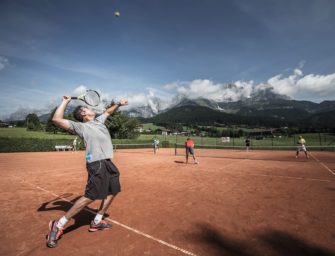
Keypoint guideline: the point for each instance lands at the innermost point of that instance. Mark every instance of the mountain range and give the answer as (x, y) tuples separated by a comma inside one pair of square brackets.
[(262, 108)]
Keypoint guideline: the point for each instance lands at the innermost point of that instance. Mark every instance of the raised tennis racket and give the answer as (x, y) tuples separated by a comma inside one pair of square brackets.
[(90, 97)]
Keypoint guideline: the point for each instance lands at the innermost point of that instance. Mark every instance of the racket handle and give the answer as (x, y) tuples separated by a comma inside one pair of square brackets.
[(74, 98)]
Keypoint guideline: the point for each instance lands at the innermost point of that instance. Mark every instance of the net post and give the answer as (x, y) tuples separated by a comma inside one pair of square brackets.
[(175, 149)]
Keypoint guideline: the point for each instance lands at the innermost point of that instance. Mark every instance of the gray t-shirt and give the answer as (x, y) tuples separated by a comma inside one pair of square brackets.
[(96, 137)]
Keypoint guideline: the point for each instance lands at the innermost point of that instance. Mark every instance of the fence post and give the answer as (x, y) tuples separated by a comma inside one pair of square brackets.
[(294, 140), (233, 136)]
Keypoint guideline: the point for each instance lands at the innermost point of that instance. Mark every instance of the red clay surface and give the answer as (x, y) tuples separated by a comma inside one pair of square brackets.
[(255, 203)]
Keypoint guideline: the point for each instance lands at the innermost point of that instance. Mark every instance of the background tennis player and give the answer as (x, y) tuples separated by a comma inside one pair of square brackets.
[(189, 146), (301, 147)]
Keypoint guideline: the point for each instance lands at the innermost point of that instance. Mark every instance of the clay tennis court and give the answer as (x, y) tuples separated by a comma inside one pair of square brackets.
[(232, 203)]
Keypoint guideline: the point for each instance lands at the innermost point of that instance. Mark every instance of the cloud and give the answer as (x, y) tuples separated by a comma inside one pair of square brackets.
[(295, 85), (3, 62), (211, 90), (153, 98), (307, 87), (301, 64), (319, 84), (81, 89), (22, 112)]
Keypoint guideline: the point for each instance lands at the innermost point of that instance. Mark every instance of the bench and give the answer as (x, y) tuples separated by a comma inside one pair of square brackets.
[(63, 147)]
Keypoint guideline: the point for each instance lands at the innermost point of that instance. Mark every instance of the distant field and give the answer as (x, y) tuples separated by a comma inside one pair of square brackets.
[(23, 133), (151, 126)]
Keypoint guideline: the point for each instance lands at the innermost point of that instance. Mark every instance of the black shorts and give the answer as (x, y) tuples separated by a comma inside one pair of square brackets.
[(103, 179), (189, 150)]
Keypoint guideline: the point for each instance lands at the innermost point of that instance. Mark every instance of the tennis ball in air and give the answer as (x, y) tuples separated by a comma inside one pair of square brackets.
[(117, 14)]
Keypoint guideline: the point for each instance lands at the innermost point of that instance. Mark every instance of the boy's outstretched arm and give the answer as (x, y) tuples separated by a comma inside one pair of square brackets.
[(58, 118), (109, 111)]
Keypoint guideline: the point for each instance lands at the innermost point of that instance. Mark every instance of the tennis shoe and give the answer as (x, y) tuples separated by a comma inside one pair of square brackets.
[(54, 234), (102, 225)]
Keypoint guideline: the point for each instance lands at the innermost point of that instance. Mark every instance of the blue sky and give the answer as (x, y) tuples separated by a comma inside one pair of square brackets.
[(164, 49)]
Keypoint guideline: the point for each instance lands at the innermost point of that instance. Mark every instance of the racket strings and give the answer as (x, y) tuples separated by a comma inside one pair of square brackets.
[(92, 98)]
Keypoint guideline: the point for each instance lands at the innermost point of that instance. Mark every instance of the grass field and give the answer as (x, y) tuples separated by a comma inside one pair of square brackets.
[(23, 133), (151, 126)]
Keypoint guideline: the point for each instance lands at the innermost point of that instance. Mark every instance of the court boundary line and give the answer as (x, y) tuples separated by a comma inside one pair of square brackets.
[(321, 163), (277, 176), (113, 221)]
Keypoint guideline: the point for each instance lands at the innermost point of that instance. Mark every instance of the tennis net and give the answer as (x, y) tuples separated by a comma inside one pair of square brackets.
[(255, 152), (135, 147)]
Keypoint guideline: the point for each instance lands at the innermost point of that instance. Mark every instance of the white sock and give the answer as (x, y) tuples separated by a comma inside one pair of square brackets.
[(98, 218), (62, 222)]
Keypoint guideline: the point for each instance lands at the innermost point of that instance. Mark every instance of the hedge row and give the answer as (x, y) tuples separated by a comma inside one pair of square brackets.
[(43, 145)]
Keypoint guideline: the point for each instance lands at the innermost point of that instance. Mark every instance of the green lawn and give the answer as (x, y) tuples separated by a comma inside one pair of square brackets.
[(23, 133), (151, 126)]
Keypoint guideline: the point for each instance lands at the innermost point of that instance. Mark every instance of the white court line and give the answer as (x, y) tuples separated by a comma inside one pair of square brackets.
[(113, 221), (277, 176), (325, 166), (289, 177)]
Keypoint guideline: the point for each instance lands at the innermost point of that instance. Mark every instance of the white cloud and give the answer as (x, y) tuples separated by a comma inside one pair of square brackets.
[(322, 85), (152, 98), (81, 89), (3, 62), (211, 90), (171, 86), (301, 64), (308, 87), (296, 85)]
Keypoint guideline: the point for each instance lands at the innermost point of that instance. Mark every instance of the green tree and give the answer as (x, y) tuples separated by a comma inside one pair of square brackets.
[(121, 126), (240, 133), (33, 123)]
